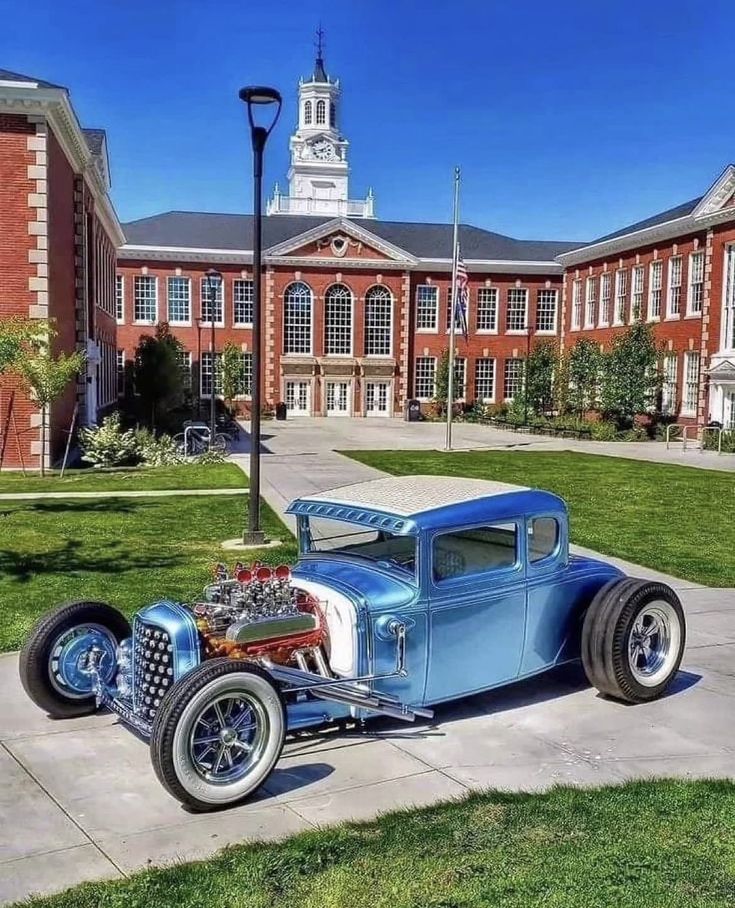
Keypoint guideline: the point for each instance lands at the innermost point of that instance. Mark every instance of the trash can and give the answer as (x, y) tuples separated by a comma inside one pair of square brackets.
[(281, 410), (413, 411)]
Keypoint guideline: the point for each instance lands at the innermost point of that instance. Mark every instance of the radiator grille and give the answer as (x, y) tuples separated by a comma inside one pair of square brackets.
[(153, 667)]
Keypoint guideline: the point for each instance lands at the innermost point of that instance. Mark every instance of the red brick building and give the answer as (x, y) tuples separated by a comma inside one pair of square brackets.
[(58, 241)]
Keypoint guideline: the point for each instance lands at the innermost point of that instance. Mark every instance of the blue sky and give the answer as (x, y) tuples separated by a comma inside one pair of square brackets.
[(568, 119)]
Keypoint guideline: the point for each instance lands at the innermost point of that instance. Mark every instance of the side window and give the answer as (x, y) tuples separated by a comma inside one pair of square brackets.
[(475, 551), (543, 537)]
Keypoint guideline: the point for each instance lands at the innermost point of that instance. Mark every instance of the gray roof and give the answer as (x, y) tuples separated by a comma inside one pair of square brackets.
[(7, 76), (95, 139), (671, 214), (320, 74), (200, 230)]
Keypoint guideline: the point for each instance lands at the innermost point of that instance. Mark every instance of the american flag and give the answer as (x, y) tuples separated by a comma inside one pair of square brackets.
[(460, 303)]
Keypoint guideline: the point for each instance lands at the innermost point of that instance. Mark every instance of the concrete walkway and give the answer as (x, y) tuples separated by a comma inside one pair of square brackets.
[(152, 493), (80, 800)]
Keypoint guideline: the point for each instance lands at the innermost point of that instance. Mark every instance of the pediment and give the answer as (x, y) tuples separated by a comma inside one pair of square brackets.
[(343, 240), (719, 197), (724, 371)]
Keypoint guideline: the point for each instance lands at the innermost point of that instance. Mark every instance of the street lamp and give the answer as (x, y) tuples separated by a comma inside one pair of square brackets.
[(257, 96), (213, 280)]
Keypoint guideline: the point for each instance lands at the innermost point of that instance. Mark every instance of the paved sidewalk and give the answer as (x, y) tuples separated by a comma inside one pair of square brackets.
[(152, 493)]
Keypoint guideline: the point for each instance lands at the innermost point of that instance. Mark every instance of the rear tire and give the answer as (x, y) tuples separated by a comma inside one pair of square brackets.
[(52, 660), (218, 734), (633, 639)]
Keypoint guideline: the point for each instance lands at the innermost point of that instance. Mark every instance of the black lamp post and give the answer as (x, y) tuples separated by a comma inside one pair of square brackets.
[(257, 96), (214, 282)]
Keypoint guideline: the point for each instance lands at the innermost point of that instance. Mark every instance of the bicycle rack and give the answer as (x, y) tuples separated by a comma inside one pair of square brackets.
[(206, 436), (684, 434), (699, 436), (717, 429)]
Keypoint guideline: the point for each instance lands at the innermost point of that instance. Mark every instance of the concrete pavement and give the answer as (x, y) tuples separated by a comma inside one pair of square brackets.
[(80, 799)]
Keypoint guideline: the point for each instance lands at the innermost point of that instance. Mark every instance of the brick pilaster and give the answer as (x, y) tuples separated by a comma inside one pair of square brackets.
[(702, 402)]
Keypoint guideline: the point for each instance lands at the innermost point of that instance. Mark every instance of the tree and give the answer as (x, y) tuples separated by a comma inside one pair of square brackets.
[(47, 377), (158, 377), (631, 377), (585, 362), (231, 373), (441, 382), (15, 333), (539, 377)]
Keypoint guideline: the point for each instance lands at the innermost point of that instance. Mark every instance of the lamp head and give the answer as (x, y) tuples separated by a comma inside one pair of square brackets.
[(261, 96)]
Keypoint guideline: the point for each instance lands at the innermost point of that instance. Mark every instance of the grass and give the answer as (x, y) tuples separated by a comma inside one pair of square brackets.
[(127, 552), (679, 520), (186, 476), (642, 845)]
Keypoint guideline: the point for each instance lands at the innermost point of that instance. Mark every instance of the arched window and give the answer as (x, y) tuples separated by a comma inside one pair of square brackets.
[(332, 114), (307, 113), (378, 321), (338, 321), (321, 113), (297, 301)]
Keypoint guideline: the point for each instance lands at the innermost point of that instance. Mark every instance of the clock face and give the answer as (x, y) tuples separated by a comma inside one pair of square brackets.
[(323, 151)]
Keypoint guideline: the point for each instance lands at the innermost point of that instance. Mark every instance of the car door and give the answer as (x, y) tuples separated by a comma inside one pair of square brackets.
[(477, 607)]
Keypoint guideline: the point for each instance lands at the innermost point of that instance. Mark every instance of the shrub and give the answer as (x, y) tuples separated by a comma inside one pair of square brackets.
[(108, 445), (207, 457), (157, 452), (603, 431)]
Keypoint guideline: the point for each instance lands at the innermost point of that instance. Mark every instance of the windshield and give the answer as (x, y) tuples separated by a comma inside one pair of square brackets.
[(336, 537)]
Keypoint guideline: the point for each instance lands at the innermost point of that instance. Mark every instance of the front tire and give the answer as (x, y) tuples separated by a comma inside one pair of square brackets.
[(218, 734), (633, 639), (52, 662)]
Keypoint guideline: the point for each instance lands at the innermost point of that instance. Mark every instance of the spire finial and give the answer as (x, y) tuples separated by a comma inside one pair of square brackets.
[(320, 74), (320, 42)]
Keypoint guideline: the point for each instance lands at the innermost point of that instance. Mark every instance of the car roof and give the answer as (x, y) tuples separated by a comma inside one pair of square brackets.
[(411, 503)]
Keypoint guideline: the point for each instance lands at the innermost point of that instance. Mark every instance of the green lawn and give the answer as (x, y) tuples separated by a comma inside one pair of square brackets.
[(124, 551), (678, 520), (642, 845), (186, 476)]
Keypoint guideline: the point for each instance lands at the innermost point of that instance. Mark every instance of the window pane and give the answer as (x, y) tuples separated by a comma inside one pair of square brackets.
[(424, 386), (546, 311), (145, 299), (338, 321), (427, 304), (119, 297), (242, 302), (487, 309), (297, 319), (378, 321), (543, 536), (485, 379), (474, 551), (517, 318), (206, 298), (179, 299)]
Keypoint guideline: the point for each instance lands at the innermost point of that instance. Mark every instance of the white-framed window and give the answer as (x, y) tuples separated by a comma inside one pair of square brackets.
[(242, 302), (332, 114), (590, 308), (427, 307), (184, 358), (691, 383), (485, 379), (655, 290), (119, 298), (244, 375), (546, 303), (517, 314), (338, 321), (621, 296), (178, 293), (297, 308), (206, 302), (696, 283), (321, 112), (424, 386), (605, 299), (120, 365), (307, 113), (512, 378), (577, 304), (728, 314), (205, 374), (673, 300), (668, 388), (460, 377), (487, 310), (636, 289), (378, 321), (145, 298)]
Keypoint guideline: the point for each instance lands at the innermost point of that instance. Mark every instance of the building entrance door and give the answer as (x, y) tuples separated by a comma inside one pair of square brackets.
[(338, 398), (728, 421), (377, 398), (298, 398)]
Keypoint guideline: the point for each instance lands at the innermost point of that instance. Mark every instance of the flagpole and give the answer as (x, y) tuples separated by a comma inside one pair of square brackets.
[(452, 313)]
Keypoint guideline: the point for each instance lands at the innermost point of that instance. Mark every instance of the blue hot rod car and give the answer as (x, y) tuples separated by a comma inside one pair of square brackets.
[(407, 592)]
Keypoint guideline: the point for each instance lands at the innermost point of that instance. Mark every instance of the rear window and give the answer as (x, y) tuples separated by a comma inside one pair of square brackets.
[(543, 537), (475, 551)]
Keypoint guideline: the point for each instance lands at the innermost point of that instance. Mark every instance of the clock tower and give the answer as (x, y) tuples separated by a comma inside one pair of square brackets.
[(319, 173)]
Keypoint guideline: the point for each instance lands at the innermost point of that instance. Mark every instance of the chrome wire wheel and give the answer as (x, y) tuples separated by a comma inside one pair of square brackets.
[(654, 643), (228, 738)]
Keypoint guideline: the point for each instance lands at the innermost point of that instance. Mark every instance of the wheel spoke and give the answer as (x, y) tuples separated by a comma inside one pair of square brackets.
[(220, 755), (238, 723), (208, 739), (242, 745), (220, 715)]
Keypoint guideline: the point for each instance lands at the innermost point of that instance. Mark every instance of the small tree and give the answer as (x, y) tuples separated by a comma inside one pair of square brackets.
[(585, 362), (441, 382), (158, 377), (631, 377), (47, 377), (539, 377), (231, 373)]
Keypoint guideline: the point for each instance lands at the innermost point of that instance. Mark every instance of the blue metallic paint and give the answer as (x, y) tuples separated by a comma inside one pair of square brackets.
[(179, 624)]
